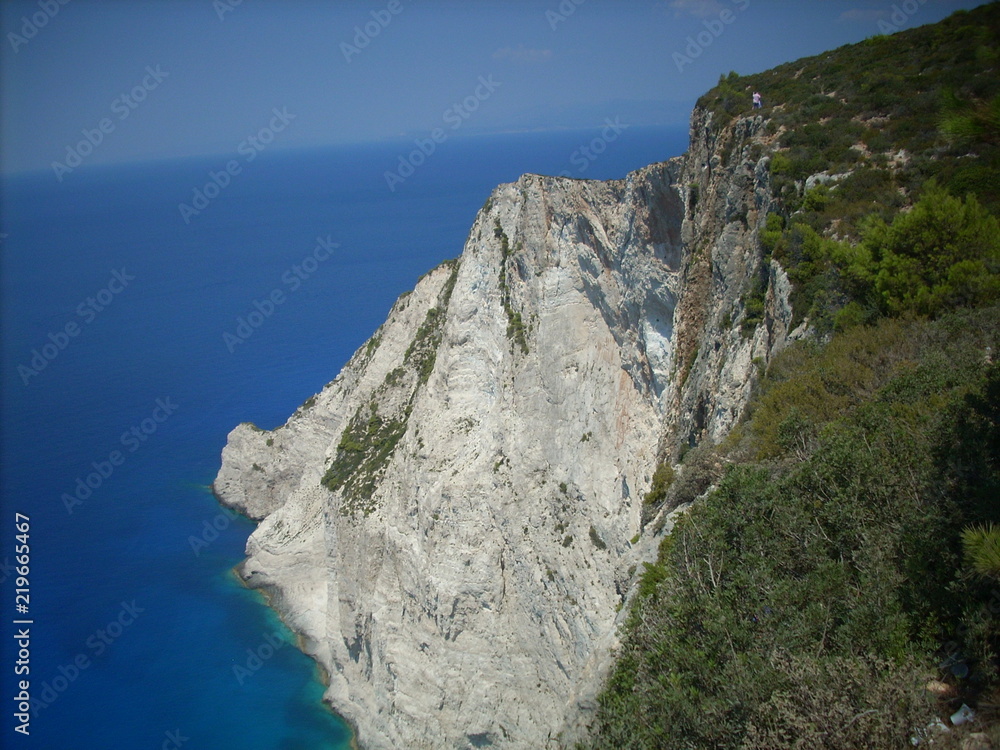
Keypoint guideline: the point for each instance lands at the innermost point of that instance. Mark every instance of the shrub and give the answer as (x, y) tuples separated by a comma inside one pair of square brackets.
[(943, 254), (982, 549), (841, 704), (663, 477), (596, 539)]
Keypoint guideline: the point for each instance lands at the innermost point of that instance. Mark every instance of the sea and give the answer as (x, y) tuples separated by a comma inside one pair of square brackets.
[(135, 334)]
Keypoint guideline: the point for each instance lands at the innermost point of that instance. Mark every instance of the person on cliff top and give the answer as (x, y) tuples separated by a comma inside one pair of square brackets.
[(756, 100)]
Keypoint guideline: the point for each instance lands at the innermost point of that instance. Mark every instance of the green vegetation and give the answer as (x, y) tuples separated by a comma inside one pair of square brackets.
[(596, 539), (700, 469), (982, 549), (753, 301), (931, 90), (663, 477), (373, 343), (365, 448), (943, 253), (829, 560), (516, 330), (370, 438), (850, 550)]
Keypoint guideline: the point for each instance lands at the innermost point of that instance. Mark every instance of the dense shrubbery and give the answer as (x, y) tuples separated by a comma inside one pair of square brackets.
[(811, 596), (943, 253)]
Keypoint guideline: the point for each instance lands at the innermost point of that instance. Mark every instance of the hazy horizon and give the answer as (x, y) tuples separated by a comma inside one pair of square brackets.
[(103, 82)]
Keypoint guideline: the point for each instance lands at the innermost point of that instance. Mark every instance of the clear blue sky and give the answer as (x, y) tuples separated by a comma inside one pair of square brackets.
[(228, 64)]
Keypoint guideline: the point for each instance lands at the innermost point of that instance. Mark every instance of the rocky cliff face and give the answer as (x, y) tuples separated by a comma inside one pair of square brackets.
[(452, 524)]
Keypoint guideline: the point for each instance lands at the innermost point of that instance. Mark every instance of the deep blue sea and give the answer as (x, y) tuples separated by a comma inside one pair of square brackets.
[(120, 385)]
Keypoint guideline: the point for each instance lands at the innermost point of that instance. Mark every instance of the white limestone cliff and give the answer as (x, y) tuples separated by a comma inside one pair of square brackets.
[(461, 572)]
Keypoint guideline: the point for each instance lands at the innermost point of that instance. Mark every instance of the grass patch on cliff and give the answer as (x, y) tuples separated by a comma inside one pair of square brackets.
[(365, 448), (369, 440), (516, 330)]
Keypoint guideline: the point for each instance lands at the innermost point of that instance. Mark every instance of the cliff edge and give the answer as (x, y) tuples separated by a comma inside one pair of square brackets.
[(454, 523)]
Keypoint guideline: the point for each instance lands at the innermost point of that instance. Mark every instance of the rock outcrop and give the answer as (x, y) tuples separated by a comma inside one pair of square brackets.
[(453, 524)]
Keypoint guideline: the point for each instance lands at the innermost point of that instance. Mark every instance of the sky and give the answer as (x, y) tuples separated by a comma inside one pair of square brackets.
[(115, 81)]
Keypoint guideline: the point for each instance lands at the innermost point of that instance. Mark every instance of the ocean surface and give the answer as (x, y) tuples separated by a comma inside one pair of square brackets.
[(125, 365)]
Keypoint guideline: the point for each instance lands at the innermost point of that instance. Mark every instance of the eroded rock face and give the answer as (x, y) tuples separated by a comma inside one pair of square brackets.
[(447, 524)]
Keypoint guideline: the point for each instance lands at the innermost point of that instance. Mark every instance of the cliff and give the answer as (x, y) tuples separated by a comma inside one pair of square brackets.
[(454, 523)]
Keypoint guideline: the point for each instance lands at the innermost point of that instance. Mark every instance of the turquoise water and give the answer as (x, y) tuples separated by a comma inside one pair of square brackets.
[(117, 372)]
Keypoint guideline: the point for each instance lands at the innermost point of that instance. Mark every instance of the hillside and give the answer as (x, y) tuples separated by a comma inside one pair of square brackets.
[(836, 586), (857, 135)]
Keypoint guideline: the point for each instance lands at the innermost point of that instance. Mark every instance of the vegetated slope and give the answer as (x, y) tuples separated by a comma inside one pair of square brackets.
[(808, 600), (860, 131)]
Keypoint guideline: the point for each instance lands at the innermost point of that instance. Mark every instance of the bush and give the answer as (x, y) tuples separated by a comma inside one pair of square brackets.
[(663, 477), (943, 254), (702, 467), (596, 539), (842, 703)]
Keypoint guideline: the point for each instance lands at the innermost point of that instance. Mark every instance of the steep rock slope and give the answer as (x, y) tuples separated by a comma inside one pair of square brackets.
[(447, 524)]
